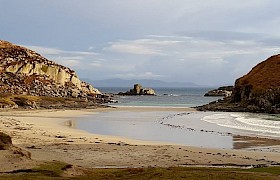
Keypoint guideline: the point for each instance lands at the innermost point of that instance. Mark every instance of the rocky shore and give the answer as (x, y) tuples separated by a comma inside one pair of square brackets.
[(29, 80), (257, 92)]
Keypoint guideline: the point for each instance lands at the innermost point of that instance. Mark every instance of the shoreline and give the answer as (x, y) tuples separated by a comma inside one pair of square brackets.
[(46, 135)]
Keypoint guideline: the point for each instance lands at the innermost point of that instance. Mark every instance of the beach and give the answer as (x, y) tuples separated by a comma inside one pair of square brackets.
[(48, 136)]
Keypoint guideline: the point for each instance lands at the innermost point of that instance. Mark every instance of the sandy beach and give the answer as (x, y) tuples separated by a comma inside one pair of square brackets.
[(48, 136)]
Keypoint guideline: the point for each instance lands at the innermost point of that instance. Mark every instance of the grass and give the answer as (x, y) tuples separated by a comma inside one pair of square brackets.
[(270, 170), (50, 170), (54, 170), (263, 76)]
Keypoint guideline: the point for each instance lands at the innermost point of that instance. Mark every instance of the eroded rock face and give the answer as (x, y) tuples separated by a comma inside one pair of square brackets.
[(23, 71)]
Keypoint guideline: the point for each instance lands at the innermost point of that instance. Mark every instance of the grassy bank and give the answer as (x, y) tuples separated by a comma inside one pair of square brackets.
[(57, 170)]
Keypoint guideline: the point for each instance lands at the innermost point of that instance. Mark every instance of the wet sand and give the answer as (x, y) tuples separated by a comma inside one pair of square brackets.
[(46, 134)]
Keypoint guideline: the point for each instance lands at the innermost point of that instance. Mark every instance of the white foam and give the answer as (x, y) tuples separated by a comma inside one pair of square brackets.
[(243, 121)]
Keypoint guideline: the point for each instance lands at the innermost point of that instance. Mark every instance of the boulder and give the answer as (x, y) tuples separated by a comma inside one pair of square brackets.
[(147, 91)]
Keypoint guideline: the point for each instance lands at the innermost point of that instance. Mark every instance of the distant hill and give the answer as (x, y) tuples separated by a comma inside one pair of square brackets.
[(144, 82)]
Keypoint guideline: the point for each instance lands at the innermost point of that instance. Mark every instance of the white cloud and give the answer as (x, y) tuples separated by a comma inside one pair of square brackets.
[(141, 46), (145, 75), (72, 59), (57, 51)]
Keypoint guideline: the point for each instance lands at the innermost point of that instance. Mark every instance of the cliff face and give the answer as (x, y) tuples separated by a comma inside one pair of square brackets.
[(260, 88), (257, 91), (23, 71)]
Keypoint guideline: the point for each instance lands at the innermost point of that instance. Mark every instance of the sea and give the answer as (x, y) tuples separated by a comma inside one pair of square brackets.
[(165, 97), (195, 128)]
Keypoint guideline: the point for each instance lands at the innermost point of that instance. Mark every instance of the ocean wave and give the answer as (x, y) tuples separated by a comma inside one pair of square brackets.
[(242, 121)]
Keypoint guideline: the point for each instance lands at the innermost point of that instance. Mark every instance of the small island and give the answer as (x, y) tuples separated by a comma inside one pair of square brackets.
[(138, 90)]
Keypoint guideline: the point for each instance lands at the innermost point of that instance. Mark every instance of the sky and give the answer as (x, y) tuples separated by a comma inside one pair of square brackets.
[(211, 42)]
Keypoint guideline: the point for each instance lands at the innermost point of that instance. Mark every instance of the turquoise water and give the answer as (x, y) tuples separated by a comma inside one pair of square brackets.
[(166, 97)]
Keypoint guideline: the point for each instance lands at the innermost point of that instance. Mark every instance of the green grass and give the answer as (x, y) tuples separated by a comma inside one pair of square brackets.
[(54, 170), (50, 170), (270, 170)]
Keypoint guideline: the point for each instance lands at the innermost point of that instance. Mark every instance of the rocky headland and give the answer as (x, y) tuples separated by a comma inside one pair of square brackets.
[(29, 80), (138, 90), (258, 91)]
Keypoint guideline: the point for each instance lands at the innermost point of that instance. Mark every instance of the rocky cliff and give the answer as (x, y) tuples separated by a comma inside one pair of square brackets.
[(257, 91), (260, 88), (25, 72)]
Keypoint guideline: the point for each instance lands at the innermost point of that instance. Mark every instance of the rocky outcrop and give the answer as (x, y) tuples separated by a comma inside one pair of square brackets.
[(138, 90), (224, 91), (23, 71), (6, 145), (5, 141), (258, 91)]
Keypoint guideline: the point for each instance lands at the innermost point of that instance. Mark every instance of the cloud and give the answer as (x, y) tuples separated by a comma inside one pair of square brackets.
[(196, 58), (141, 46), (72, 59), (181, 57), (145, 75), (57, 51)]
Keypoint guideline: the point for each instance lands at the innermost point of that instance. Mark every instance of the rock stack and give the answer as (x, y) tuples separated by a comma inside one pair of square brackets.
[(138, 90)]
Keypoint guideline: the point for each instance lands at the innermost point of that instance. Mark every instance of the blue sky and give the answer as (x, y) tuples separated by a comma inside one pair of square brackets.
[(209, 42)]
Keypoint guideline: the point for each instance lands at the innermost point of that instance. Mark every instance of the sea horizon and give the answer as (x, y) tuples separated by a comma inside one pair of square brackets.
[(165, 97)]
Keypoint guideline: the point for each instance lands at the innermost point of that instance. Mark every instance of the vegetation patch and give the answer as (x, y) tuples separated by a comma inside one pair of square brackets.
[(54, 170), (270, 170)]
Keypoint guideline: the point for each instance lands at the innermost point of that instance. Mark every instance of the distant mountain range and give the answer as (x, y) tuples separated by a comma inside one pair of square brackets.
[(144, 82)]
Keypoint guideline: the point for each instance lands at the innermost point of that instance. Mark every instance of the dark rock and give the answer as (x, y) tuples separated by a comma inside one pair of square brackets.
[(138, 90), (225, 91)]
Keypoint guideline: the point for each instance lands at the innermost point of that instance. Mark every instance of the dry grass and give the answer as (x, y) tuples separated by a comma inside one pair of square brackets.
[(263, 76)]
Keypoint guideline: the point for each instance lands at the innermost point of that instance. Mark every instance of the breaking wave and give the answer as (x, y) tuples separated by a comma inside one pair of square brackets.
[(256, 123)]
